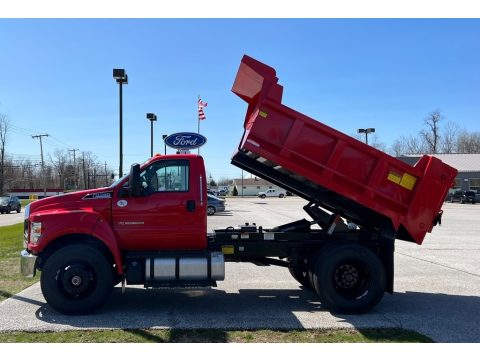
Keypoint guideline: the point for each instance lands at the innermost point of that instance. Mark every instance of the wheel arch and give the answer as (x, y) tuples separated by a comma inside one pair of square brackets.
[(78, 238)]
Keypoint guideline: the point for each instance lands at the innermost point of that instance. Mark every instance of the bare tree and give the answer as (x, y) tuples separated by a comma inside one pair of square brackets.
[(468, 143), (431, 135), (59, 162), (4, 124), (449, 139), (224, 181), (408, 145)]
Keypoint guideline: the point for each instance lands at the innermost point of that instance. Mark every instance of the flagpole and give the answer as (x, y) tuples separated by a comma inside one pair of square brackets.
[(198, 123)]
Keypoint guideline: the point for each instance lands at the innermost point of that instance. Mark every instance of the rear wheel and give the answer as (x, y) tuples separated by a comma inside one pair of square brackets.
[(77, 279), (349, 278), (281, 196), (301, 275)]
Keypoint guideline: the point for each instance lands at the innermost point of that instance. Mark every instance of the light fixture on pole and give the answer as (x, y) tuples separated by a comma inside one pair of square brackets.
[(152, 117), (164, 136), (366, 132), (121, 78)]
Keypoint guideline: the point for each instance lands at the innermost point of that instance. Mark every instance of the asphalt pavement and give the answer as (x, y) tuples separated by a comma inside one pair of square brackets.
[(437, 289), (11, 219)]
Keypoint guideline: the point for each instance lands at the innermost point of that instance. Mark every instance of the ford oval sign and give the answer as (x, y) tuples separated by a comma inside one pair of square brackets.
[(185, 140)]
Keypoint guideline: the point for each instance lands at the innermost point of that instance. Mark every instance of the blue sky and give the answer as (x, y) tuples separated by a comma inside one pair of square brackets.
[(56, 78)]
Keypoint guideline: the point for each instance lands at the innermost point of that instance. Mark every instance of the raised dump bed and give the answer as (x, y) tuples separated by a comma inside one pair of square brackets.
[(333, 170)]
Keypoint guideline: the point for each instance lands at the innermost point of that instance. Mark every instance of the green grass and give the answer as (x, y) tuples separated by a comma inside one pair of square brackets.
[(218, 336), (11, 243), (25, 202)]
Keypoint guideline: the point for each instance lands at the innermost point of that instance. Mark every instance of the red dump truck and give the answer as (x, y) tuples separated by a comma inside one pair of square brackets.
[(150, 227)]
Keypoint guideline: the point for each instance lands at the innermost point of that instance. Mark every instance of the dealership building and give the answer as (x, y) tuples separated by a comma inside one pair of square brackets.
[(467, 165)]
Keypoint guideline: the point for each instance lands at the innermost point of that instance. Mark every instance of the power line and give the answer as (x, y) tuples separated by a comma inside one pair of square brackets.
[(27, 132)]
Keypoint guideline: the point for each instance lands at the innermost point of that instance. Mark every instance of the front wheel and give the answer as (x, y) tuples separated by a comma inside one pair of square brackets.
[(210, 210), (76, 279), (349, 278)]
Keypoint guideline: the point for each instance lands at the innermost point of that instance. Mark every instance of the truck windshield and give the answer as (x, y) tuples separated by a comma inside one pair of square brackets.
[(116, 182)]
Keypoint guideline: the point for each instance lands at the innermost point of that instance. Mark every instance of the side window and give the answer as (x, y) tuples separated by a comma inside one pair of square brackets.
[(166, 176)]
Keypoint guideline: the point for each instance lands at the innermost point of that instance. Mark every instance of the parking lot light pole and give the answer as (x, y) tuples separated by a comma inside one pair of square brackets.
[(366, 132), (121, 78), (164, 137), (152, 117)]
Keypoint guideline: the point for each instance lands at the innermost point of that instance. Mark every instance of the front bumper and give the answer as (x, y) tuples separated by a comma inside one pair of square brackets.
[(27, 264)]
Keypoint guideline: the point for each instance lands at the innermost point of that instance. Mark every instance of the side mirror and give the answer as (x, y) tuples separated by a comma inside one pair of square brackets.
[(134, 183)]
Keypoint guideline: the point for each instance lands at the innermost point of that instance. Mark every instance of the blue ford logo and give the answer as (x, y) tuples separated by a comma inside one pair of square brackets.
[(185, 140)]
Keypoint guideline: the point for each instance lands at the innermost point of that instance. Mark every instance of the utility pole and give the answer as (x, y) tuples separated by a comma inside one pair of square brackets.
[(106, 176), (84, 172), (74, 168), (43, 164)]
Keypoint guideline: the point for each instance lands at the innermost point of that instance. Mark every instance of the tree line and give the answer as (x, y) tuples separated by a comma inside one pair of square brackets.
[(85, 171), (434, 138), (61, 170)]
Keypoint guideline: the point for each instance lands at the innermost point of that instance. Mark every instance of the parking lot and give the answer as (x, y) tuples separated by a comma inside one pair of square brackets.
[(437, 288), (12, 218)]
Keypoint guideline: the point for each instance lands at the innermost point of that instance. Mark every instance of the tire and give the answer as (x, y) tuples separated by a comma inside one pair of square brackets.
[(349, 278), (263, 196), (281, 196), (77, 280), (18, 210), (210, 210), (301, 275)]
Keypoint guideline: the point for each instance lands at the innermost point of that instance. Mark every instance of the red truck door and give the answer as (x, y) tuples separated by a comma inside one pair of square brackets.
[(170, 213)]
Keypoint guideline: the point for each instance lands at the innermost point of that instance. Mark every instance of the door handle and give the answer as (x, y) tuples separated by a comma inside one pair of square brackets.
[(190, 205)]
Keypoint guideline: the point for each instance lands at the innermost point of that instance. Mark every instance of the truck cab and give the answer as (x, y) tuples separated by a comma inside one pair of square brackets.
[(84, 240)]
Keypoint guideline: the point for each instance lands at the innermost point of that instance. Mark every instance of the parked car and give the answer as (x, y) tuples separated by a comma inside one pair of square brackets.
[(463, 197), (215, 204), (468, 197), (222, 192), (10, 203), (272, 193)]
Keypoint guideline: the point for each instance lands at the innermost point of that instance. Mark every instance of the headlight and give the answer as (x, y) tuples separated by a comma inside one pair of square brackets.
[(25, 226), (35, 232)]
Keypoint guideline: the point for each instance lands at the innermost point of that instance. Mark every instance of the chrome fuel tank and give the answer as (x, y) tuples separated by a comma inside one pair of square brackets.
[(210, 266)]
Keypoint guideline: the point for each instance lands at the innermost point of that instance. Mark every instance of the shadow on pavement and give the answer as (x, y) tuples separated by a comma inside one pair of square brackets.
[(200, 309), (444, 318)]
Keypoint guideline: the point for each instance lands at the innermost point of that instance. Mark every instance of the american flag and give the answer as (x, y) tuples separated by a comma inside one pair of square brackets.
[(201, 105)]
